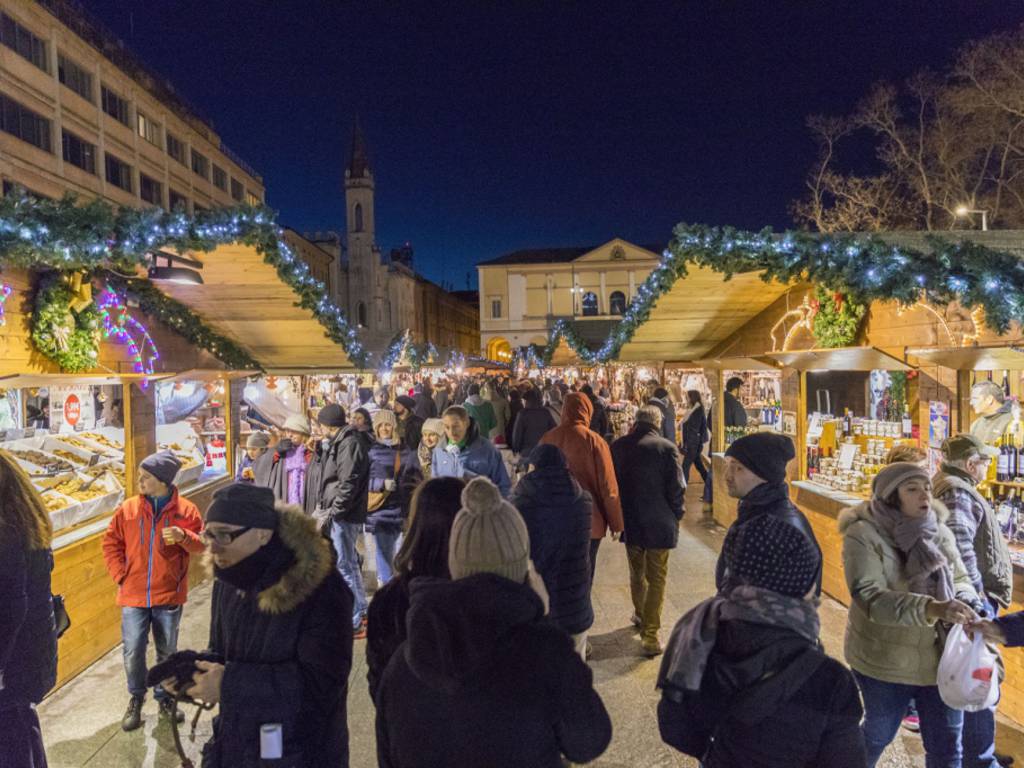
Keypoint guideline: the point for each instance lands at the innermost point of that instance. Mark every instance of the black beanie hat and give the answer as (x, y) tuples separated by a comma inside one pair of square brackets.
[(243, 504), (332, 415), (163, 465), (770, 553), (764, 453), (407, 402)]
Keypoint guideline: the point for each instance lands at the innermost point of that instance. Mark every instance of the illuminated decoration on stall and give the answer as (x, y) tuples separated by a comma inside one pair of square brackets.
[(5, 292), (963, 338), (403, 352), (804, 315), (124, 328)]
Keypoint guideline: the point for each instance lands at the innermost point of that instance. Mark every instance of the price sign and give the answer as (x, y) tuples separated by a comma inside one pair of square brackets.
[(847, 453), (72, 410)]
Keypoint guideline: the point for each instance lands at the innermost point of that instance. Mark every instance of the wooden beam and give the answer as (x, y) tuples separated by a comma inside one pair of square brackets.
[(963, 401), (801, 424)]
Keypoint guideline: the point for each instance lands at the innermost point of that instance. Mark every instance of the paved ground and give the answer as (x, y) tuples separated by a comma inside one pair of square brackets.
[(81, 721)]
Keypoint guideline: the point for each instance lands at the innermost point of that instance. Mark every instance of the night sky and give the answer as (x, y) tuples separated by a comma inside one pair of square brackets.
[(539, 124)]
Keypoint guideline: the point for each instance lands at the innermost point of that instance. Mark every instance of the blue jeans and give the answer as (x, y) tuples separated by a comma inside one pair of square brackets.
[(885, 704), (344, 536), (135, 624), (388, 541)]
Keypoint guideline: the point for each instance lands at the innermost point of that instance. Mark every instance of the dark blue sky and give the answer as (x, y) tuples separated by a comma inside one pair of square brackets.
[(494, 126)]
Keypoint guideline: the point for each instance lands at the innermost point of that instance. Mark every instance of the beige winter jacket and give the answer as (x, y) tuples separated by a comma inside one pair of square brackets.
[(888, 636)]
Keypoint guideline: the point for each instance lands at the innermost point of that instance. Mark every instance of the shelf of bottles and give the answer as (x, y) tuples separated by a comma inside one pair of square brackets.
[(761, 397), (1005, 490)]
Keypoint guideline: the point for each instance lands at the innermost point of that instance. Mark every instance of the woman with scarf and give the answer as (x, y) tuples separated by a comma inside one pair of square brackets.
[(907, 583), (745, 682), (433, 431), (394, 472)]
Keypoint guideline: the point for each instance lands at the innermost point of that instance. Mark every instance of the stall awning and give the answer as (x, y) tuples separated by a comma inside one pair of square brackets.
[(739, 364), (243, 298), (1004, 358), (698, 313), (840, 359), (25, 381)]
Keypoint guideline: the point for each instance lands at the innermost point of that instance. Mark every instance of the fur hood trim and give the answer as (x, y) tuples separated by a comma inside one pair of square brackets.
[(313, 561)]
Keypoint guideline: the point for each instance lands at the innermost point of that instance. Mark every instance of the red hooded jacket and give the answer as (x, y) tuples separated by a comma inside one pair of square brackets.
[(590, 462)]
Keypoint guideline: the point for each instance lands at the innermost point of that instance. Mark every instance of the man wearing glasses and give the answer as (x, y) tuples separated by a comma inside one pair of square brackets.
[(146, 548), (279, 622)]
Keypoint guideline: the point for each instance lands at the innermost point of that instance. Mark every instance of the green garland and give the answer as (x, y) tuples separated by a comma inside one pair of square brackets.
[(70, 339), (63, 235), (837, 320)]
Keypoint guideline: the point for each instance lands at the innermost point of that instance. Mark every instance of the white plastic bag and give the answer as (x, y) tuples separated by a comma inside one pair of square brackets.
[(968, 672)]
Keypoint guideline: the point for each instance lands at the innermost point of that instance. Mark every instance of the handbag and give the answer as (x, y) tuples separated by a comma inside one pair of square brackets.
[(375, 499), (60, 614)]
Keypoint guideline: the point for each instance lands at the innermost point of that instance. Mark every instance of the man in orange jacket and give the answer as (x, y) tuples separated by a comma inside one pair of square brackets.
[(147, 547)]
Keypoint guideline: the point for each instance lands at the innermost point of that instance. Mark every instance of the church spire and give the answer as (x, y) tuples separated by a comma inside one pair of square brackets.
[(359, 161)]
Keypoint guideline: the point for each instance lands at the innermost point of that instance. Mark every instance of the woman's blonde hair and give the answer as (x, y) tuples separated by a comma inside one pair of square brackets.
[(23, 515), (905, 452)]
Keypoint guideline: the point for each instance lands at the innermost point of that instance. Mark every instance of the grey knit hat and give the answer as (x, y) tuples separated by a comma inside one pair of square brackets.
[(384, 416), (894, 475), (488, 535), (434, 425), (258, 440)]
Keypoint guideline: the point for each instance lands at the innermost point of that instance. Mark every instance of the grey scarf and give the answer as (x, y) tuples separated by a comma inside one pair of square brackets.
[(926, 568), (693, 638)]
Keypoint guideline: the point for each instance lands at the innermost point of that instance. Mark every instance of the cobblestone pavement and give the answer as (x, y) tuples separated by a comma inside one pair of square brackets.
[(81, 721)]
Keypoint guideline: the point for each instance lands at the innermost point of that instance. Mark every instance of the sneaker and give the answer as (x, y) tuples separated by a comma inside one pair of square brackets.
[(168, 709), (133, 715), (359, 633), (912, 723), (651, 647), (1004, 760)]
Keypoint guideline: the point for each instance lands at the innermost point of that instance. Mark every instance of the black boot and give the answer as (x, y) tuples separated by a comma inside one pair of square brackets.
[(133, 715), (168, 708)]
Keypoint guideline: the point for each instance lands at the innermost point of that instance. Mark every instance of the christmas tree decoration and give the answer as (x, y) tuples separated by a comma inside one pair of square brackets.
[(124, 328), (71, 339), (836, 320)]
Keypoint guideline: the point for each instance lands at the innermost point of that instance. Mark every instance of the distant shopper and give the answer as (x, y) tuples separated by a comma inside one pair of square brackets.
[(651, 487), (663, 402), (492, 393), (484, 679), (147, 548), (362, 420), (283, 470), (432, 434), (256, 445), (424, 552), (557, 513), (994, 411), (28, 639), (276, 602), (533, 421), (590, 462), (465, 453), (745, 682), (735, 413), (481, 411), (695, 434), (389, 490), (599, 421), (755, 473), (423, 394), (905, 575), (409, 428)]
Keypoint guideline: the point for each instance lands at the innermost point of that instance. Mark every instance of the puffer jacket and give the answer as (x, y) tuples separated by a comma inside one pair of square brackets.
[(477, 456), (590, 462), (383, 458), (341, 472), (28, 637), (978, 537), (147, 571), (888, 636)]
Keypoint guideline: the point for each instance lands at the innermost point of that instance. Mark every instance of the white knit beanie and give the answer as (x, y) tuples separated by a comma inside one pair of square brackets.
[(384, 416), (488, 535)]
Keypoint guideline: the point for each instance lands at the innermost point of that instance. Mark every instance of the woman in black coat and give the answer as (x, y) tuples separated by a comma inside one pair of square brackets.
[(557, 515), (531, 424), (423, 553), (695, 434), (28, 637)]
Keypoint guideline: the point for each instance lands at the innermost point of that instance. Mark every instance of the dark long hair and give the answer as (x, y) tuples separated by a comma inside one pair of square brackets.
[(433, 509), (23, 516), (693, 396)]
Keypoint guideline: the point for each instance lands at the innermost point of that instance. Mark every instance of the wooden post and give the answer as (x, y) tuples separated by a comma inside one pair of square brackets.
[(232, 421), (139, 428), (801, 424), (963, 401), (716, 379)]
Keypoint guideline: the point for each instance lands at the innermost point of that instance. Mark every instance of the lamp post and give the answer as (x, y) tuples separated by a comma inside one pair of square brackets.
[(963, 210)]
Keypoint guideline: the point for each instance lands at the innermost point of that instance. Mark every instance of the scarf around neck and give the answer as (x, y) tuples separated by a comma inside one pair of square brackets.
[(926, 568), (693, 638), (262, 567)]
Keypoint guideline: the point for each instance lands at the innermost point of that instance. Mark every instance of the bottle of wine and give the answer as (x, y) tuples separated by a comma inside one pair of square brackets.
[(1013, 468), (908, 425), (1006, 383), (1003, 462)]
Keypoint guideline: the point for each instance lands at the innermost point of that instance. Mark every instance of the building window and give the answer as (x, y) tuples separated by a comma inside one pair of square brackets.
[(116, 107), (118, 173), (200, 165), (357, 217), (589, 304), (177, 200), (24, 43), (79, 152), (175, 147), (148, 129), (361, 314), (251, 199), (220, 178), (237, 190), (20, 121), (495, 308), (151, 190), (74, 77), (617, 303)]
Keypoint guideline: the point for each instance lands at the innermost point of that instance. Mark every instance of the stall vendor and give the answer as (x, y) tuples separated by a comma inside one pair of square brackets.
[(994, 411)]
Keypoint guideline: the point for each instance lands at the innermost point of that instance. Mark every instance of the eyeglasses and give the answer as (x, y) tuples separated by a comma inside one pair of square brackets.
[(223, 538)]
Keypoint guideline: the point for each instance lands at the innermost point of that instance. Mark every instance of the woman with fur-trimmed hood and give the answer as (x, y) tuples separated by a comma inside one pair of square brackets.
[(277, 620), (906, 581)]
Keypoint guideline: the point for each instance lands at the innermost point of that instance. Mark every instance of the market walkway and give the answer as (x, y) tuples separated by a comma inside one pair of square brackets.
[(81, 721)]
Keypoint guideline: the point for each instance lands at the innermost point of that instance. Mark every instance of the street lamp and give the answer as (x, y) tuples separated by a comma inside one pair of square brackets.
[(963, 210)]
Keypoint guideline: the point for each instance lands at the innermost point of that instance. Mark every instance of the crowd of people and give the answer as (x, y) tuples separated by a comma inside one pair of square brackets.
[(484, 505)]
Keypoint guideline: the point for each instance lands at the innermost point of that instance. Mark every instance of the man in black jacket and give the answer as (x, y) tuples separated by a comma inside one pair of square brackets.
[(410, 426), (663, 402), (755, 467), (531, 424), (276, 602), (651, 486), (343, 473), (599, 419)]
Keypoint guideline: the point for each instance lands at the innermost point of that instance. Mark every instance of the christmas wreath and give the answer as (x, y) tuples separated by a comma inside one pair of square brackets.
[(836, 319), (70, 338)]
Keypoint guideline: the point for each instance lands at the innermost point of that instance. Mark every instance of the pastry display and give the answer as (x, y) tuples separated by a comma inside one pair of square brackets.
[(103, 440), (44, 460), (74, 458)]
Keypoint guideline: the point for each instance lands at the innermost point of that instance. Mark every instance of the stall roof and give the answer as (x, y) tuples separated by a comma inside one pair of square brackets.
[(698, 313), (739, 364), (243, 298), (24, 381), (840, 359), (1004, 358)]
